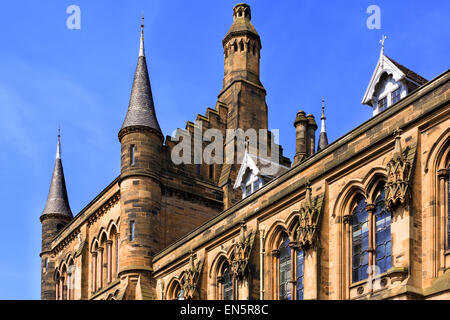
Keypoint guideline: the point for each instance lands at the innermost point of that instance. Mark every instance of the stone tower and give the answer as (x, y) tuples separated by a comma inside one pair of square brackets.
[(140, 190), (56, 216), (242, 91)]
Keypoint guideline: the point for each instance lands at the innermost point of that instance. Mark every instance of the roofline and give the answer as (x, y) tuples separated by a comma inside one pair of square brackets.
[(90, 204), (373, 121)]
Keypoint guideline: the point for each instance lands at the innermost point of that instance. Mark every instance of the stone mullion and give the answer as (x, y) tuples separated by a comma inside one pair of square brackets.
[(370, 208), (443, 180), (347, 220), (293, 281), (219, 294), (276, 269), (57, 290)]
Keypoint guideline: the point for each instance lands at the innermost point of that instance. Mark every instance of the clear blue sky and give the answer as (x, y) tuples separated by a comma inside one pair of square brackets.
[(81, 79)]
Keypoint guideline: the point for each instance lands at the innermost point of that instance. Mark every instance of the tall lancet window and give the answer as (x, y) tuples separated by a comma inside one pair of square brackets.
[(360, 241), (382, 235), (300, 274), (227, 283), (285, 270)]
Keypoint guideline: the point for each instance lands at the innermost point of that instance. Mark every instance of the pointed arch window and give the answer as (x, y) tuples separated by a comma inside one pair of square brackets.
[(360, 241), (300, 274), (178, 292), (227, 283), (285, 270), (382, 234)]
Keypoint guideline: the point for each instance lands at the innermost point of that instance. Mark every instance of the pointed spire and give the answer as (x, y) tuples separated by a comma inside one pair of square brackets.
[(57, 201), (141, 109), (323, 139)]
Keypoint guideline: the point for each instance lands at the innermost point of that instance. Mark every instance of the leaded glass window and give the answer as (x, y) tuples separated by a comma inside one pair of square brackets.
[(396, 95), (300, 274), (382, 235), (382, 104), (227, 283), (360, 241), (285, 270)]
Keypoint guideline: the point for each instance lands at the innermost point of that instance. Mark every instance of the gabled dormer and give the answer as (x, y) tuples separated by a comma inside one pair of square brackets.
[(390, 83), (255, 172)]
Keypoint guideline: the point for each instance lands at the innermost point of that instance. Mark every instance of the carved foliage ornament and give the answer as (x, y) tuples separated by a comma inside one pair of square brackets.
[(191, 278), (399, 170), (309, 216), (241, 253)]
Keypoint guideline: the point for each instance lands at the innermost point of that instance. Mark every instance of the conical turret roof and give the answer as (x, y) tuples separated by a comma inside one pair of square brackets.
[(57, 201), (141, 109)]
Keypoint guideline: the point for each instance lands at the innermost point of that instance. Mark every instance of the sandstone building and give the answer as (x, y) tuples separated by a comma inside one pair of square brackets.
[(364, 217)]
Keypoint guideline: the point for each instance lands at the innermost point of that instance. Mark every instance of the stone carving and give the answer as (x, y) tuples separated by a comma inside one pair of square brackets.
[(241, 253), (399, 170), (309, 216), (191, 278)]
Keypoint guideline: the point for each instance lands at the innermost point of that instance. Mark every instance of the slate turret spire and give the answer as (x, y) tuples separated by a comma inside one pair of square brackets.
[(323, 139), (57, 201), (141, 109)]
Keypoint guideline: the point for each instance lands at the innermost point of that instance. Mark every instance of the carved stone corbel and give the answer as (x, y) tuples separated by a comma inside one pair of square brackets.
[(309, 217), (399, 170), (191, 278), (242, 251)]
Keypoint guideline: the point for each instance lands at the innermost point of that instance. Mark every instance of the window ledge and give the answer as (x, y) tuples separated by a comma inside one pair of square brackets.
[(376, 277)]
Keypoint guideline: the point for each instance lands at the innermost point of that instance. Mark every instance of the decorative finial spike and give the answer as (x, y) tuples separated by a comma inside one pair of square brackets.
[(141, 47), (58, 146), (383, 38), (323, 108), (323, 118)]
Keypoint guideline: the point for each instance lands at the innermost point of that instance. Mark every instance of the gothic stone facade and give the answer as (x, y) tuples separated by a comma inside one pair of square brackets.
[(165, 231)]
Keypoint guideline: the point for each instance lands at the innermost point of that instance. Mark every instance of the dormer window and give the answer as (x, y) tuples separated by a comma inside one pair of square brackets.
[(390, 83), (252, 184)]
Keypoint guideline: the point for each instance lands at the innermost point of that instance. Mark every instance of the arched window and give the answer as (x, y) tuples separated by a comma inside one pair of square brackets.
[(227, 283), (178, 292), (360, 241), (382, 235), (285, 269), (300, 274)]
